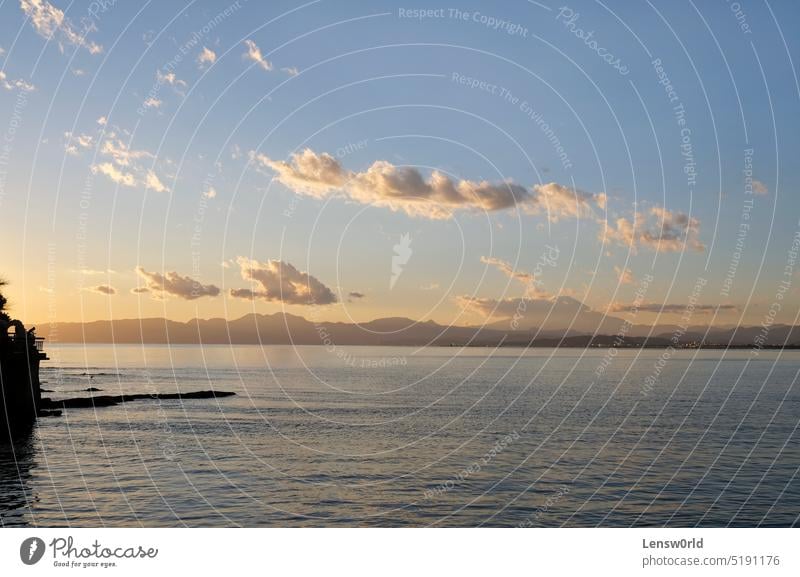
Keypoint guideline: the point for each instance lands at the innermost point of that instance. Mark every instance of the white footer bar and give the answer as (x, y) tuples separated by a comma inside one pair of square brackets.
[(406, 552)]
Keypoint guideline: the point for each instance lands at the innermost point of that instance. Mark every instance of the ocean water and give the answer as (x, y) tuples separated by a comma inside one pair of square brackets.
[(379, 436)]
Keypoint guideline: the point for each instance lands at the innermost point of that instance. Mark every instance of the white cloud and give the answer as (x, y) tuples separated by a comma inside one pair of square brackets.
[(121, 153), (152, 182), (50, 22), (171, 79), (759, 188), (153, 103), (166, 78), (254, 53), (291, 70), (206, 56), (405, 189), (102, 121), (75, 143), (281, 282), (658, 229), (172, 283), (126, 166), (116, 175), (558, 201), (309, 173), (17, 84)]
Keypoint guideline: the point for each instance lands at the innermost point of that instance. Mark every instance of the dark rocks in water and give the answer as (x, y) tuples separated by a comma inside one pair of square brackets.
[(46, 413), (109, 400), (92, 390)]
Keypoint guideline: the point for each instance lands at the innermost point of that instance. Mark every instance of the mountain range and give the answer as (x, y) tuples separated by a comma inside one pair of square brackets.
[(565, 322)]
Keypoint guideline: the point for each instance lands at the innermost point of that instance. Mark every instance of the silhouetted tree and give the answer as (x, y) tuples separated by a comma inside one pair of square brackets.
[(3, 301)]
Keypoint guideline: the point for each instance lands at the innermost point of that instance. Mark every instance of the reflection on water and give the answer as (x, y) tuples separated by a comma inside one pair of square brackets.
[(399, 436), (16, 493)]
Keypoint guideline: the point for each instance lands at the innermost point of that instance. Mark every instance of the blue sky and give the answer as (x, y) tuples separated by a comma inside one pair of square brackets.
[(486, 93)]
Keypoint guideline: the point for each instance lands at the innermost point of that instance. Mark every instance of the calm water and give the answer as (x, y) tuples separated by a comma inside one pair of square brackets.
[(401, 436)]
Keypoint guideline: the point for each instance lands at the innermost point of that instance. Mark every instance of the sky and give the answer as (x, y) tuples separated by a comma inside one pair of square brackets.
[(350, 161)]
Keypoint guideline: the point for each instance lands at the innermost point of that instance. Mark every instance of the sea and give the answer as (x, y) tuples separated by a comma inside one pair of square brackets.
[(326, 436)]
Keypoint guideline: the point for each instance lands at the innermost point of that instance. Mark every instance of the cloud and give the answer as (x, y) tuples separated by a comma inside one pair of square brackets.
[(281, 282), (670, 308), (103, 289), (116, 175), (291, 70), (254, 53), (121, 153), (533, 286), (405, 189), (17, 84), (308, 173), (174, 284), (140, 290), (507, 269), (125, 165), (102, 121), (169, 78), (559, 201), (659, 229), (760, 188), (153, 103), (206, 56), (94, 272), (50, 22), (355, 296), (77, 142), (152, 182), (625, 275)]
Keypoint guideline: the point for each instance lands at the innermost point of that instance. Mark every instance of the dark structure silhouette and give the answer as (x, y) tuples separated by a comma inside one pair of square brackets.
[(20, 390)]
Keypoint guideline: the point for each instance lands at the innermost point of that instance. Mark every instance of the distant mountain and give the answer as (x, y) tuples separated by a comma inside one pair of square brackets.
[(558, 316), (568, 325)]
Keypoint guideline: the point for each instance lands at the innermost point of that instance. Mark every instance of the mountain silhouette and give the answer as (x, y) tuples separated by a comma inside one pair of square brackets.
[(567, 324)]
